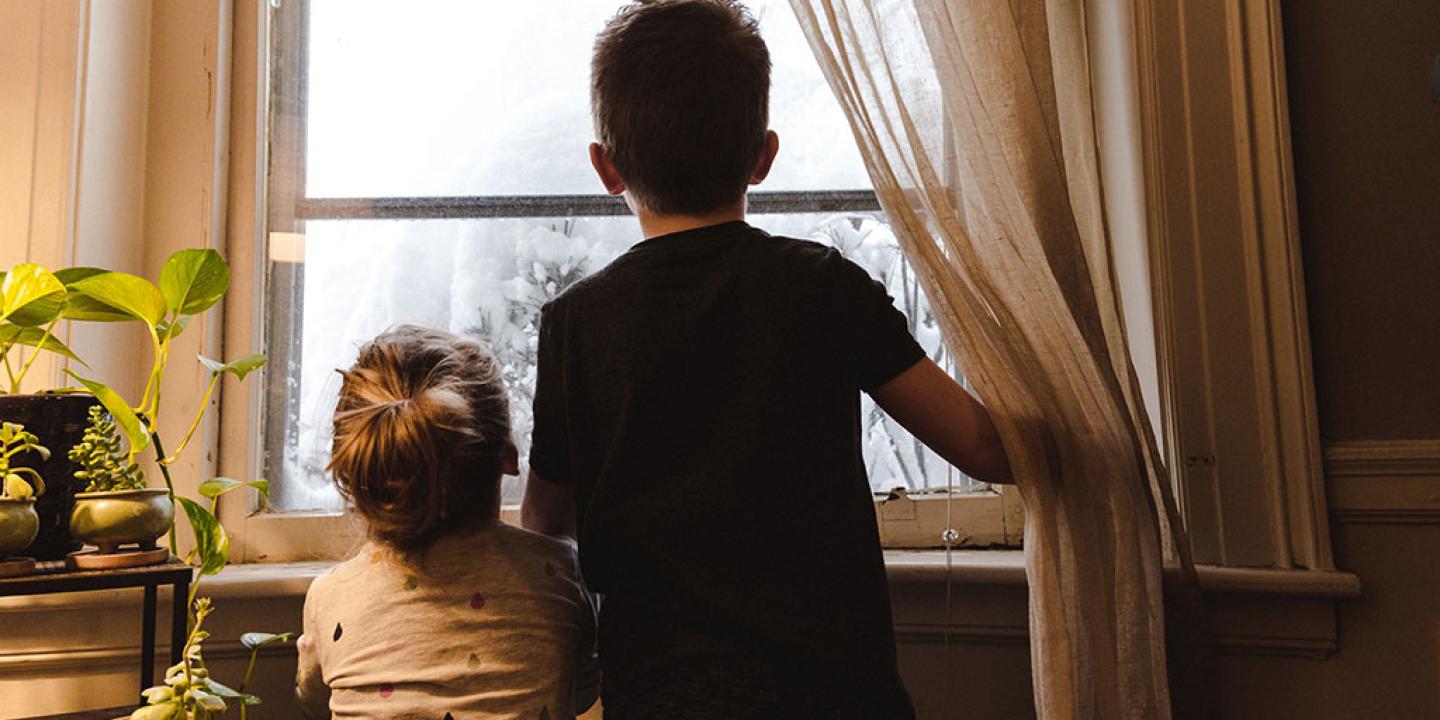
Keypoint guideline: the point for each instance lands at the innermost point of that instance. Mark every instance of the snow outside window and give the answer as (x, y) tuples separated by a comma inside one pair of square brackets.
[(428, 165)]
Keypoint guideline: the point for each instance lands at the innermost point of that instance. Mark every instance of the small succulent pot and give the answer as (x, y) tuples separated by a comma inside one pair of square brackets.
[(19, 524), (110, 519)]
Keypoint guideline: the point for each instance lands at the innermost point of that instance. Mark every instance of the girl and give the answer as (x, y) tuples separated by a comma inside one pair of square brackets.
[(446, 612)]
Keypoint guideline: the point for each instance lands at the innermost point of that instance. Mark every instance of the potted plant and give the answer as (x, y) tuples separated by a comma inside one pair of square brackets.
[(191, 283), (18, 520), (189, 692), (33, 301), (116, 508)]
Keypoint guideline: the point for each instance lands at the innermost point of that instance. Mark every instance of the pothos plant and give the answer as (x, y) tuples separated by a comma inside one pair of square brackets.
[(191, 282), (33, 301), (189, 691)]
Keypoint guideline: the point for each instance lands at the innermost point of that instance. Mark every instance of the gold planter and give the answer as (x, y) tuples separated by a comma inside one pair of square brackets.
[(108, 520), (19, 524)]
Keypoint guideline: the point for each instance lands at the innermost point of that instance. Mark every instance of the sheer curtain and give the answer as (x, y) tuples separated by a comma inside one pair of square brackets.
[(975, 120)]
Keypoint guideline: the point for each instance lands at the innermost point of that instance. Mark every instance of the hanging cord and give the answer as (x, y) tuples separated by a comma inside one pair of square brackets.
[(948, 537)]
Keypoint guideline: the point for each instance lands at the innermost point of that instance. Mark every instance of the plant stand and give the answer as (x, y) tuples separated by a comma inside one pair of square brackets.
[(54, 577), (97, 560), (16, 567)]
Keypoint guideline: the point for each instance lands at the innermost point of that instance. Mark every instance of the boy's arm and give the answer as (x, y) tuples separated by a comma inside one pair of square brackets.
[(548, 508), (949, 420)]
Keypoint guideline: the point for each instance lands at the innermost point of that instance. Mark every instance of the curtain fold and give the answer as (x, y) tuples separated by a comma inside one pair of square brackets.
[(976, 122)]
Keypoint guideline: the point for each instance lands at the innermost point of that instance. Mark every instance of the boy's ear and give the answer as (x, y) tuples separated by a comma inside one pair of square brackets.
[(510, 460), (767, 157), (605, 169)]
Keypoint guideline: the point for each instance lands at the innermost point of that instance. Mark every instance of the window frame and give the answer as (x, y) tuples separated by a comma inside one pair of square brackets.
[(274, 186), (1195, 103)]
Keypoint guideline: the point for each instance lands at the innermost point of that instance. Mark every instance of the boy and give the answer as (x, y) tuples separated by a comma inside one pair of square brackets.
[(697, 405)]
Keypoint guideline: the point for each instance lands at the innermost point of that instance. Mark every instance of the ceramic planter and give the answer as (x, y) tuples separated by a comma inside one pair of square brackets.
[(108, 520), (59, 422), (19, 524)]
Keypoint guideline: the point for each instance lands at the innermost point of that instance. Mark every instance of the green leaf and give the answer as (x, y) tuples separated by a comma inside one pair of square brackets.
[(194, 280), (130, 424), (34, 337), (158, 694), (85, 308), (36, 479), (16, 488), (231, 693), (221, 689), (239, 367), (205, 700), (129, 294), (257, 640), (167, 710), (212, 545), (217, 486), (69, 276), (172, 330), (30, 295)]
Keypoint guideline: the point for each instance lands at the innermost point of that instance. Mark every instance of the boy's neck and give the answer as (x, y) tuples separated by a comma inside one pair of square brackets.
[(653, 225)]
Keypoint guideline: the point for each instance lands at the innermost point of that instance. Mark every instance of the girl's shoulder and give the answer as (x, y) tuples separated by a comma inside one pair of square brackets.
[(520, 555), (347, 571), (343, 580), (525, 540)]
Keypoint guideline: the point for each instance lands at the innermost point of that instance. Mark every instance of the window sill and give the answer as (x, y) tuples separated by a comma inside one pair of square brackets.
[(1007, 567), (904, 567), (1267, 612)]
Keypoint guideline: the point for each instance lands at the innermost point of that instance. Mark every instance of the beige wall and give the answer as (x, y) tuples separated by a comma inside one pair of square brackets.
[(1366, 142), (1367, 171)]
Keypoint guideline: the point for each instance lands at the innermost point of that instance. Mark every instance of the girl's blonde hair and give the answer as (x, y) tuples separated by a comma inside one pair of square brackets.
[(421, 428)]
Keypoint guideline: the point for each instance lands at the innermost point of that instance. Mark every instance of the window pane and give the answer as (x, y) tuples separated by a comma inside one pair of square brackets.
[(489, 278), (458, 97), (441, 98)]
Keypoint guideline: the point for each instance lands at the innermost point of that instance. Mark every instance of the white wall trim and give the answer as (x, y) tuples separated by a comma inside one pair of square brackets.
[(1236, 389), (121, 656), (1384, 482), (960, 633), (1371, 458)]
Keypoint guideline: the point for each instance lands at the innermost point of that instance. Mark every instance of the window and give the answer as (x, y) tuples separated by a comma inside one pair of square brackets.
[(430, 166)]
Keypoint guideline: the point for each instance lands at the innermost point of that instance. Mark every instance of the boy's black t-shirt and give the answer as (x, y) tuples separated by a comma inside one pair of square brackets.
[(702, 396)]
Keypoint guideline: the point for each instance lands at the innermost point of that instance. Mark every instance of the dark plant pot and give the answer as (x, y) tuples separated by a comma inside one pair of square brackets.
[(59, 422)]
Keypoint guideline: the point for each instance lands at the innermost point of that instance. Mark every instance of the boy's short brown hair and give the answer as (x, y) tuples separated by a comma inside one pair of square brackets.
[(680, 93)]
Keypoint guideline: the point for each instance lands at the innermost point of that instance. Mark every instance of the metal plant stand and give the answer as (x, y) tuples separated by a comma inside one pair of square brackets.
[(55, 577)]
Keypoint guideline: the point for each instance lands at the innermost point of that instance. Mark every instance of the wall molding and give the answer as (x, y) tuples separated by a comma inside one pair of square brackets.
[(1372, 458), (122, 657), (929, 633), (1316, 648), (1237, 394), (1384, 482)]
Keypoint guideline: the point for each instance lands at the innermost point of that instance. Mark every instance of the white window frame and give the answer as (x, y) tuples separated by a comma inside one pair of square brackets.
[(1205, 123)]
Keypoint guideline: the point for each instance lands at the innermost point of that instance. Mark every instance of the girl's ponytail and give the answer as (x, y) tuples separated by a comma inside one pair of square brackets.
[(420, 428)]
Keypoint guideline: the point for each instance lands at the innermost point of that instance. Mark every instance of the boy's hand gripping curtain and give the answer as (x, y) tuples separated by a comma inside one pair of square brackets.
[(975, 120)]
